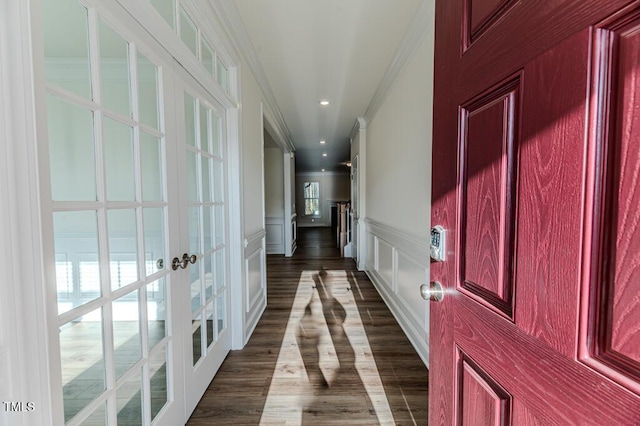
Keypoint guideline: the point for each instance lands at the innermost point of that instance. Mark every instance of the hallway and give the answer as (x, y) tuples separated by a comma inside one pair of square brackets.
[(326, 351)]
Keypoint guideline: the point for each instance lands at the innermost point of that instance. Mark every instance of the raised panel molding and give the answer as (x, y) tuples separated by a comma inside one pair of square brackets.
[(610, 336), (254, 292), (394, 254), (480, 399), (480, 16), (488, 145), (274, 227)]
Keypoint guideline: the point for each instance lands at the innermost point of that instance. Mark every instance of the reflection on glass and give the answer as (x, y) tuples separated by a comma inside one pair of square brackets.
[(208, 276), (194, 230), (215, 136), (158, 379), (207, 55), (66, 46), (153, 219), (166, 9), (196, 339), (114, 71), (151, 167), (206, 178), (156, 311), (82, 362), (188, 32), (206, 227), (192, 177), (204, 128), (123, 247), (77, 260), (127, 345), (221, 309), (129, 400), (190, 119), (210, 320), (119, 163), (98, 417), (218, 181), (148, 91), (196, 288), (71, 151), (219, 268), (218, 213), (223, 76)]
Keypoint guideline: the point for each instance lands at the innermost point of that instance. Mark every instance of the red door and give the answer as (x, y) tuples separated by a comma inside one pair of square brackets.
[(536, 181)]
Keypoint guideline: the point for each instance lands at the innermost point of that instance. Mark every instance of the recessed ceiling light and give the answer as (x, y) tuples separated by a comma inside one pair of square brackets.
[(324, 102), (323, 142), (324, 154), (323, 170)]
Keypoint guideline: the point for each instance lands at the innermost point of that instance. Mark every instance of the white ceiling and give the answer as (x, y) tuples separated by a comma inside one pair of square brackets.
[(338, 50)]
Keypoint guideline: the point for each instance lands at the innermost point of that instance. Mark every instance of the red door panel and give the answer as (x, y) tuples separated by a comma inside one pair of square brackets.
[(536, 179)]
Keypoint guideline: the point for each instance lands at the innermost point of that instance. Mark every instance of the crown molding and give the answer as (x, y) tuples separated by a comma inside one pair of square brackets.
[(421, 24), (230, 17)]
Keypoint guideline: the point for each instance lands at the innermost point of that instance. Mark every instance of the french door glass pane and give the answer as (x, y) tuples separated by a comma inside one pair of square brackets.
[(192, 177), (188, 32), (216, 146), (208, 57), (218, 213), (66, 46), (204, 128), (196, 338), (219, 268), (156, 312), (223, 76), (210, 323), (129, 400), (119, 160), (206, 228), (126, 332), (154, 255), (208, 275), (148, 91), (221, 310), (194, 230), (82, 362), (166, 9), (71, 151), (77, 259), (123, 247), (218, 182), (114, 71), (206, 178), (190, 119), (196, 288), (158, 379), (151, 167)]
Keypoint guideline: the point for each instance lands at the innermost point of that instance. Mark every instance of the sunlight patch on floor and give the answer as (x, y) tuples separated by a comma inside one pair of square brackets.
[(325, 368)]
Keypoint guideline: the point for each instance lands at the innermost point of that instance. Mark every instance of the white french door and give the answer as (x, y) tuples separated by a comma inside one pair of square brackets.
[(202, 154), (133, 177)]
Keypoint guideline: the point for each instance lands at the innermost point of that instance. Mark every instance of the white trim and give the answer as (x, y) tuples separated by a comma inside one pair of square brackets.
[(289, 196), (250, 239), (410, 245), (274, 238), (23, 336), (362, 194)]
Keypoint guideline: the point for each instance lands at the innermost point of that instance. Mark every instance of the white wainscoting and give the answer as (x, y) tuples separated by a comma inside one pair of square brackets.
[(398, 263), (255, 283), (274, 226)]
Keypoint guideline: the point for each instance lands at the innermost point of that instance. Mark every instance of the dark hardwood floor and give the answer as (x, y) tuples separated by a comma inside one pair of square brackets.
[(326, 351)]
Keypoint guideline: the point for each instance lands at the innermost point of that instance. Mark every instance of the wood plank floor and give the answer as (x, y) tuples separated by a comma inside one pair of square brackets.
[(327, 351)]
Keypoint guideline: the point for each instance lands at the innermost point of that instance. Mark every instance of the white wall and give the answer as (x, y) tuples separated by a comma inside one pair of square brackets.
[(333, 187), (398, 193), (254, 292), (274, 196)]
